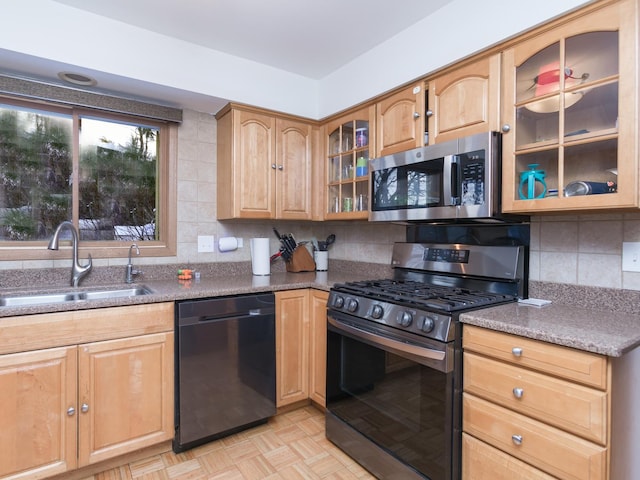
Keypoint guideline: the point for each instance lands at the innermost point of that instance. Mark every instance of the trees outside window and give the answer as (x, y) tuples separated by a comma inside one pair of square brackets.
[(103, 172)]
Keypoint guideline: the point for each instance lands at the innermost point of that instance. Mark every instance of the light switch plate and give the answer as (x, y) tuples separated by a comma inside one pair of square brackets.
[(205, 243), (631, 256)]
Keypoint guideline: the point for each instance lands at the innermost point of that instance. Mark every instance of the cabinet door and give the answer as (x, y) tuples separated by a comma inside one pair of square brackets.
[(293, 170), (350, 144), (292, 346), (465, 101), (38, 413), (125, 395), (400, 123), (570, 104), (246, 165), (318, 347)]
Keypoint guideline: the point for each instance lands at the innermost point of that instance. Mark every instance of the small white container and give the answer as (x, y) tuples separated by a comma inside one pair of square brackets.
[(321, 258)]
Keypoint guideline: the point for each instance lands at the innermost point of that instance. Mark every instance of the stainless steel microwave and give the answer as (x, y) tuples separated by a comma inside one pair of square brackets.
[(454, 180)]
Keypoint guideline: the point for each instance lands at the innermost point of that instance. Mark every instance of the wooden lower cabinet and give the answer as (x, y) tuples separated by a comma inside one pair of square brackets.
[(481, 461), (318, 345), (37, 430), (292, 346), (126, 388), (301, 345), (63, 408), (533, 410)]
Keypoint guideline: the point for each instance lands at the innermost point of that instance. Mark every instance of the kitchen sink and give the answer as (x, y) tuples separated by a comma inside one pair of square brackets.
[(76, 296), (116, 293)]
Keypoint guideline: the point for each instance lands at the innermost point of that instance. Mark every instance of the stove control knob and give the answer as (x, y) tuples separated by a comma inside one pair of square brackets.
[(405, 318), (352, 305), (427, 324), (338, 301), (377, 312)]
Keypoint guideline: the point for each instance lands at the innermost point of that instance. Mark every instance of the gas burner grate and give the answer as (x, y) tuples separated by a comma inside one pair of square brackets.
[(423, 295)]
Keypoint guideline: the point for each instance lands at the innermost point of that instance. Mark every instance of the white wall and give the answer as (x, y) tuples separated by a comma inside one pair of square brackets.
[(45, 29)]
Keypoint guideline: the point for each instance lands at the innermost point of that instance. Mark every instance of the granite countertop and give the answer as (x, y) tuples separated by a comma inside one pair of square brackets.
[(172, 290), (611, 333), (604, 332)]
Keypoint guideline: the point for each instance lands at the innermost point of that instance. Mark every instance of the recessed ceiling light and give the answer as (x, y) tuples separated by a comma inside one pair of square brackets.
[(77, 79)]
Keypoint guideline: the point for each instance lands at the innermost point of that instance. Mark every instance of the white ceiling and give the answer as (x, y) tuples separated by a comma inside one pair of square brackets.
[(311, 38)]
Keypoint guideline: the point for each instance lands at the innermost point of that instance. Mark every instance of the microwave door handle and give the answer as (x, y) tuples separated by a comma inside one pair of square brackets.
[(450, 181)]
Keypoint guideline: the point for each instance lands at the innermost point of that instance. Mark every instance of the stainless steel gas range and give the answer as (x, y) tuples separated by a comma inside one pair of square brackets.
[(394, 355)]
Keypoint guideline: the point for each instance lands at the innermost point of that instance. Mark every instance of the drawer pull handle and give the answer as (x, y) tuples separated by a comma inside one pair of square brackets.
[(518, 392), (517, 439), (517, 351)]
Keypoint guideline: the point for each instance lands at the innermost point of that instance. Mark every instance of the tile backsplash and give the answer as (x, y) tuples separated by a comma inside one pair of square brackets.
[(580, 250)]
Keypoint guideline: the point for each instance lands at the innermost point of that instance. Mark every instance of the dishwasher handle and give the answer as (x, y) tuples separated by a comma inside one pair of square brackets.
[(253, 314)]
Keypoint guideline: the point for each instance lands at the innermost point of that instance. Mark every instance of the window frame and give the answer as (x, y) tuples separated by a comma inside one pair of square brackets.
[(166, 185)]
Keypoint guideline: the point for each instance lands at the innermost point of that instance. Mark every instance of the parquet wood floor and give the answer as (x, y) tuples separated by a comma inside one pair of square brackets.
[(291, 446)]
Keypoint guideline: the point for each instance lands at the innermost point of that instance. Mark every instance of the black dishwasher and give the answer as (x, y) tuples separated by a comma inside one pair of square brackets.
[(225, 366)]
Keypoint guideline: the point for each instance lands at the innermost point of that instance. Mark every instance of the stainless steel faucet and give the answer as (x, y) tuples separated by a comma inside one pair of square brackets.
[(77, 271), (130, 273)]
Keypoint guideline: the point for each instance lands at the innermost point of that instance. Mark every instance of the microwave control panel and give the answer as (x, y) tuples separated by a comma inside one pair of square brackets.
[(472, 178)]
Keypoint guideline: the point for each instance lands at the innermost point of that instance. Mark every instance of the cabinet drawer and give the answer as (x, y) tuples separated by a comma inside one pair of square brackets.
[(575, 408), (481, 461), (584, 367), (551, 450)]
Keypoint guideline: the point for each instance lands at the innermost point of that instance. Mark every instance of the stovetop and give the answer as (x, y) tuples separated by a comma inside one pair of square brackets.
[(421, 295)]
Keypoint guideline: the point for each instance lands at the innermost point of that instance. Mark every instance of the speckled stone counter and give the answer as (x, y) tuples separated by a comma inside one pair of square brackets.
[(172, 289), (603, 332)]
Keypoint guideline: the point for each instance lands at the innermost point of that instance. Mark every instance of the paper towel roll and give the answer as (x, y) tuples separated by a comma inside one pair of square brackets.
[(260, 256)]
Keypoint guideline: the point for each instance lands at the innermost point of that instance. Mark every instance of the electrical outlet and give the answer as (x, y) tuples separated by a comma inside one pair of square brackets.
[(205, 243), (631, 256)]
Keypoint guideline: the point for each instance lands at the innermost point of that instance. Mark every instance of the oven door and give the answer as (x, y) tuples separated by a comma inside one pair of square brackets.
[(393, 401)]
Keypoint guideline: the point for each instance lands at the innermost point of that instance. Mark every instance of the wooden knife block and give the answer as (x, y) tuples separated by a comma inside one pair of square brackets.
[(301, 261)]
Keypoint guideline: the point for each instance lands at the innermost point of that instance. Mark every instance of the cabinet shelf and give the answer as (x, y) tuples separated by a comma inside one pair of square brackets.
[(570, 102), (349, 146)]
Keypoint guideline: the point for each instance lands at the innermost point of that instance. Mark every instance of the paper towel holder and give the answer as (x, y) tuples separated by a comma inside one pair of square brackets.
[(227, 244)]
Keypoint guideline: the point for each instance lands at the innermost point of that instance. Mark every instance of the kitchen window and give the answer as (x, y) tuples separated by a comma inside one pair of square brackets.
[(107, 173)]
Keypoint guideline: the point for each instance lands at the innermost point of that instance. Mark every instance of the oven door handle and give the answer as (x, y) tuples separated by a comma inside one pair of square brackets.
[(424, 355)]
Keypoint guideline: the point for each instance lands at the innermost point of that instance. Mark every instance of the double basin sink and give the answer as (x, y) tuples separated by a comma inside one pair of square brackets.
[(30, 299)]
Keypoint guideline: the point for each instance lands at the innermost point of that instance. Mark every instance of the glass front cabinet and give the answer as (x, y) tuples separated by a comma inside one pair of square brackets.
[(570, 116), (348, 150)]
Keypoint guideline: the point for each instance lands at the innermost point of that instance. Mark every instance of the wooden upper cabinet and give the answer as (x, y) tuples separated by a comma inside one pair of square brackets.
[(464, 101), (264, 166), (246, 165), (570, 103), (293, 169), (350, 143), (400, 122)]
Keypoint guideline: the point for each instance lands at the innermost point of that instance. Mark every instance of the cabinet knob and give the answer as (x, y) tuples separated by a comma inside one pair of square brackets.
[(517, 351), (506, 128), (71, 411), (518, 392), (429, 113), (273, 165), (280, 167), (84, 408), (416, 115), (517, 439)]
